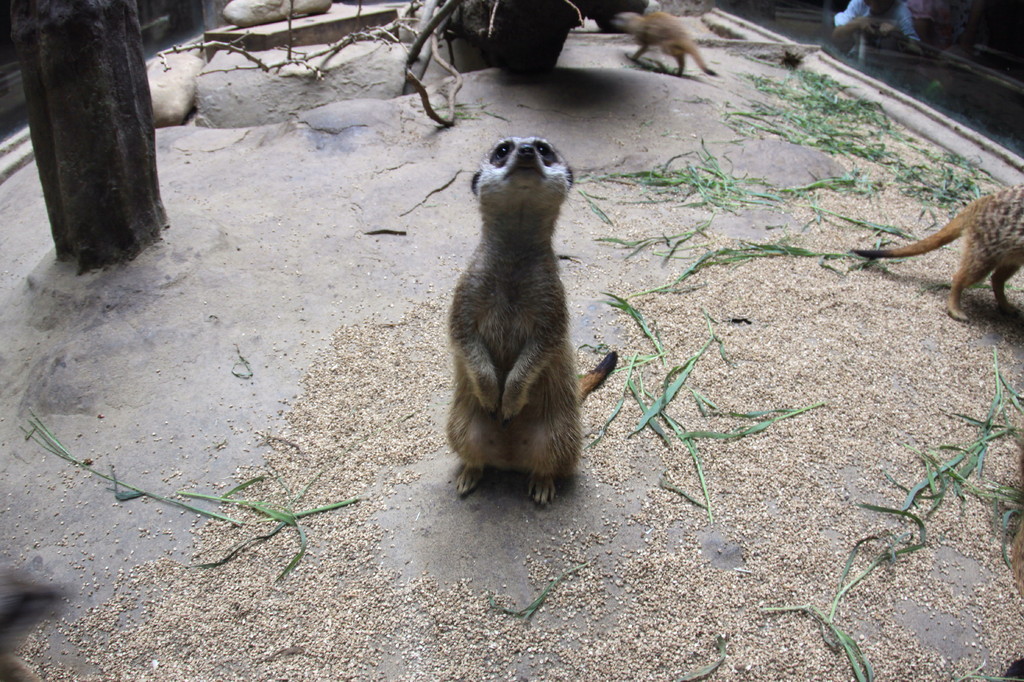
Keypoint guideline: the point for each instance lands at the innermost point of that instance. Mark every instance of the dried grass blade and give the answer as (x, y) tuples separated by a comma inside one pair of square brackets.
[(701, 673), (527, 613), (596, 209), (624, 305), (663, 482), (42, 436), (674, 380)]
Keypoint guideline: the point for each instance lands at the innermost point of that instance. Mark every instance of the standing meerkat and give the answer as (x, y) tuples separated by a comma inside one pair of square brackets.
[(517, 398), (993, 232), (662, 30)]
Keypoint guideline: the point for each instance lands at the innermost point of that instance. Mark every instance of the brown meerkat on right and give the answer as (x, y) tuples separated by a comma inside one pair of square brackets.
[(1016, 669), (517, 398), (662, 30), (993, 232), (1018, 542)]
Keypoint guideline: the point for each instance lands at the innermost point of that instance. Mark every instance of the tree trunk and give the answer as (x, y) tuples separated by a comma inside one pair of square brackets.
[(518, 35), (91, 120), (527, 35)]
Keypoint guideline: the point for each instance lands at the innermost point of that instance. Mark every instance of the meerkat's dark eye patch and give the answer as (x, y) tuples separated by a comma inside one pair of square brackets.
[(501, 152), (546, 152)]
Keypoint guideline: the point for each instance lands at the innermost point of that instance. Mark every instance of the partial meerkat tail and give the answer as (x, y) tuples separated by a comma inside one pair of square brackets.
[(590, 381), (953, 229)]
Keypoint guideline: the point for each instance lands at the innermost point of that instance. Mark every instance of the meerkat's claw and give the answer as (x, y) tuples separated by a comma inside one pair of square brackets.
[(542, 488), (468, 479)]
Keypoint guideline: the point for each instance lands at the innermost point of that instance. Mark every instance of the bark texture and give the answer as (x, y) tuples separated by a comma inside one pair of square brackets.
[(91, 121)]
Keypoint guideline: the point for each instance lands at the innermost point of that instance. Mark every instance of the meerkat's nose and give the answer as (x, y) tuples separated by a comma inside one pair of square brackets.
[(527, 151)]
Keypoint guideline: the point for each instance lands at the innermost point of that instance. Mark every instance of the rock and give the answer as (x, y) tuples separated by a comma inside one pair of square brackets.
[(782, 164), (172, 84), (687, 8), (229, 95), (254, 12), (602, 11)]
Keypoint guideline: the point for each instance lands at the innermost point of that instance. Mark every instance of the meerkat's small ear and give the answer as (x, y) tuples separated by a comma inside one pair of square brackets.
[(475, 184), (568, 171)]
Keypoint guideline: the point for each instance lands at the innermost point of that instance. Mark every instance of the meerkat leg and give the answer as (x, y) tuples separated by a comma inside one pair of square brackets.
[(636, 55), (681, 60), (552, 446), (999, 278), (970, 272), (470, 433)]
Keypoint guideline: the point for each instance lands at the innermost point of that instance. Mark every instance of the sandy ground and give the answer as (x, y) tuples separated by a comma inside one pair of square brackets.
[(410, 581)]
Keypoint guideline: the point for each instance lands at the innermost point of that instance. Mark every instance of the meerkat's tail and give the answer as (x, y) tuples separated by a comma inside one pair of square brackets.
[(590, 381), (953, 229)]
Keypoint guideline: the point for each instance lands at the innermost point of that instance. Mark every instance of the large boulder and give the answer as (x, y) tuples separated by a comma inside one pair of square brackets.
[(233, 93), (172, 84), (254, 12)]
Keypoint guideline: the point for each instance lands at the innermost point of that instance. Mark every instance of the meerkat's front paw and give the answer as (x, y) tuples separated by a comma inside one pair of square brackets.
[(956, 313), (508, 412), (486, 390), (468, 479), (542, 488), (488, 401), (512, 403)]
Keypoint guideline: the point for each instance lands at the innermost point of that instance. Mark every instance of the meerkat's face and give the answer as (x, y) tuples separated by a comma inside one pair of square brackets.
[(523, 168)]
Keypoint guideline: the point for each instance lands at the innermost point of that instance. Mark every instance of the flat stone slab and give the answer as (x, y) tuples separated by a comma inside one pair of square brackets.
[(326, 28), (783, 164)]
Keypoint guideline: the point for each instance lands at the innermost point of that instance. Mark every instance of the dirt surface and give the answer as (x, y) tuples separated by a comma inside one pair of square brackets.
[(269, 260)]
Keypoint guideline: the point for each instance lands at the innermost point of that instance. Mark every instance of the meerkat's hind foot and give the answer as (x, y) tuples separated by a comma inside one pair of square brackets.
[(468, 479), (1009, 310), (542, 488)]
